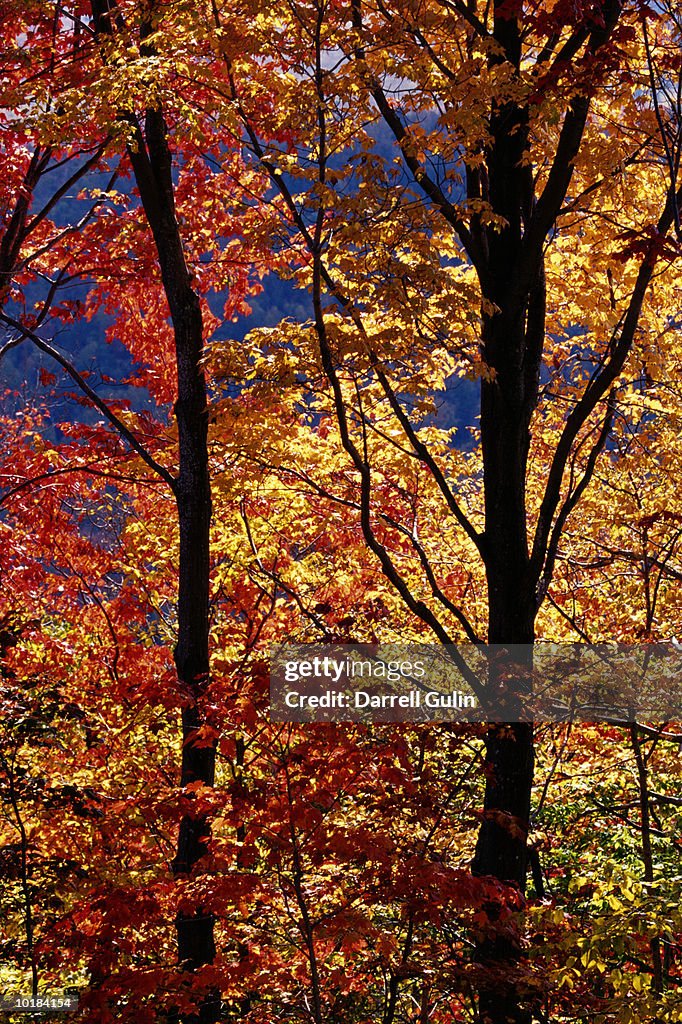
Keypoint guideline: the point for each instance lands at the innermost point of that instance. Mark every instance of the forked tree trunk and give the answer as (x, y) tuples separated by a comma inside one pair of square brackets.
[(511, 274)]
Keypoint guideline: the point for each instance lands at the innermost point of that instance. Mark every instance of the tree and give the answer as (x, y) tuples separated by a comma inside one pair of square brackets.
[(66, 55), (525, 144)]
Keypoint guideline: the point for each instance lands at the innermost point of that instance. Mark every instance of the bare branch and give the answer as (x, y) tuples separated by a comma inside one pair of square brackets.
[(559, 178)]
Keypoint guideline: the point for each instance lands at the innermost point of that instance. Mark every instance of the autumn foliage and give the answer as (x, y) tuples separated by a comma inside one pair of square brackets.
[(334, 322)]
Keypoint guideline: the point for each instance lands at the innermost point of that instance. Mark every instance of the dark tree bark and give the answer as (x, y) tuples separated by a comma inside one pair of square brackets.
[(152, 168), (151, 160), (510, 265)]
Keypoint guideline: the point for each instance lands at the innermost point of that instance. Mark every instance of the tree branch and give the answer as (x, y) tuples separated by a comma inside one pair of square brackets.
[(314, 245), (572, 499), (92, 395), (595, 391), (401, 135), (436, 590), (549, 202)]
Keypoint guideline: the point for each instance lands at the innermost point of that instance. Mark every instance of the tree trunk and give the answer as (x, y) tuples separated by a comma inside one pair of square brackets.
[(193, 494), (501, 850), (151, 160), (513, 336), (511, 274)]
